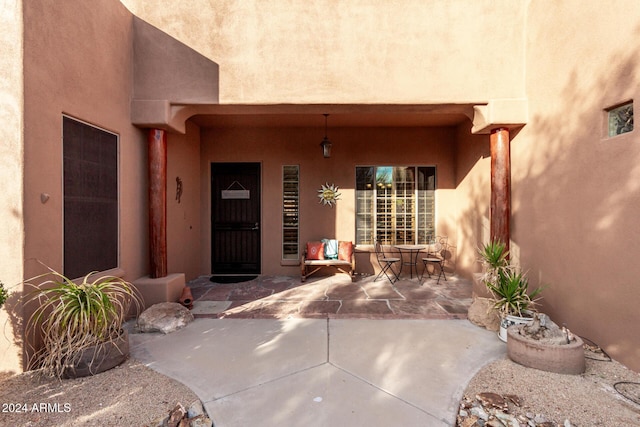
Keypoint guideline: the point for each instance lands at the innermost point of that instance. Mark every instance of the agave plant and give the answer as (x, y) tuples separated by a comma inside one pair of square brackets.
[(494, 256), (511, 293), (72, 316), (508, 286)]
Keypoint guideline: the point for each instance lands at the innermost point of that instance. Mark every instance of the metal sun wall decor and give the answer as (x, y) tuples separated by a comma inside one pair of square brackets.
[(328, 194)]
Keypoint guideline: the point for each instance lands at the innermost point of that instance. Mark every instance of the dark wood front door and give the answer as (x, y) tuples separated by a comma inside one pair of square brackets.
[(235, 218)]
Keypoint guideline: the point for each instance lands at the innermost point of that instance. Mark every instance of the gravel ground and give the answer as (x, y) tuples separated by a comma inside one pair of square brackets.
[(134, 395), (128, 395), (584, 400)]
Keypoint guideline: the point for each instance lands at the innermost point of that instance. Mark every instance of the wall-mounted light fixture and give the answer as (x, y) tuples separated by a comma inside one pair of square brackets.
[(326, 144)]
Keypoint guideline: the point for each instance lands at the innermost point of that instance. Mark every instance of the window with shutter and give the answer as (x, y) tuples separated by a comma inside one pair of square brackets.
[(290, 211)]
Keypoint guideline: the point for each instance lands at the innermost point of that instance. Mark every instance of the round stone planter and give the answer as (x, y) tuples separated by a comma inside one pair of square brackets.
[(100, 358), (561, 359), (511, 320)]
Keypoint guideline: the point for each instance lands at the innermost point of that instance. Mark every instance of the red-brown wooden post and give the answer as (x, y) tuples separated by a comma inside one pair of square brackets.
[(500, 185), (157, 145)]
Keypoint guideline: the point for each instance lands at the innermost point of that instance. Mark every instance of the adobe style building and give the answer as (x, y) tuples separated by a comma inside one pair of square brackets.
[(166, 140)]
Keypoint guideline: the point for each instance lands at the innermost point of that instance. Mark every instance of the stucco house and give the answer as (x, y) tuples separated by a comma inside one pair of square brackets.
[(141, 137)]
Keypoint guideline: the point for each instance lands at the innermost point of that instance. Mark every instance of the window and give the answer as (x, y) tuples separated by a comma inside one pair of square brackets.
[(90, 183), (290, 210), (620, 119), (395, 205)]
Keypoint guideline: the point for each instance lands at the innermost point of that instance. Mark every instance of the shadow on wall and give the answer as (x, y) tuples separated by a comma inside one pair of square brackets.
[(17, 314), (15, 321), (575, 199), (474, 183)]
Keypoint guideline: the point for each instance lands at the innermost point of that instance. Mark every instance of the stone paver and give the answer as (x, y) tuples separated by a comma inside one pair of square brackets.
[(336, 296)]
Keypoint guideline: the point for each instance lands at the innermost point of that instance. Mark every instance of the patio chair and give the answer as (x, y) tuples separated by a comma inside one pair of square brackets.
[(386, 264), (435, 256)]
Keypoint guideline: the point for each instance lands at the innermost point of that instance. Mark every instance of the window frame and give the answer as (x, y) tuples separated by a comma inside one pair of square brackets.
[(610, 122), (421, 234)]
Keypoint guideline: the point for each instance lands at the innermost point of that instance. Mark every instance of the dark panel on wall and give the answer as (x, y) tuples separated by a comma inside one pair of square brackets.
[(90, 198)]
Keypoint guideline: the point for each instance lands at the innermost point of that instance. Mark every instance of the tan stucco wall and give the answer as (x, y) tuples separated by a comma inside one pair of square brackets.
[(77, 61), (576, 193), (275, 147), (11, 173), (352, 52), (184, 238)]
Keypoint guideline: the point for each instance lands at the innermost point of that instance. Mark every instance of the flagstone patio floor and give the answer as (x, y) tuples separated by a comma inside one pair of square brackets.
[(333, 297)]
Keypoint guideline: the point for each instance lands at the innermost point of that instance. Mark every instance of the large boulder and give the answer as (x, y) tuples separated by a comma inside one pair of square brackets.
[(164, 317), (482, 313)]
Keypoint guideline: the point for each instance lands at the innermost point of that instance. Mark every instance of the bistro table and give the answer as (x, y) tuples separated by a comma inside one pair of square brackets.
[(412, 262)]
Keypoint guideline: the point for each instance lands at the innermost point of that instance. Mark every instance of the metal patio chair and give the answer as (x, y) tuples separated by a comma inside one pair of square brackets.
[(386, 264), (435, 256)]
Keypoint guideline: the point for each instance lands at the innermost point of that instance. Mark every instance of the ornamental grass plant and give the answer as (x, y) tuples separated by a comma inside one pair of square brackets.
[(73, 316)]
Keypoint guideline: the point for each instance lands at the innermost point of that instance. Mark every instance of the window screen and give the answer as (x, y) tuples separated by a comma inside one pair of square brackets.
[(90, 172)]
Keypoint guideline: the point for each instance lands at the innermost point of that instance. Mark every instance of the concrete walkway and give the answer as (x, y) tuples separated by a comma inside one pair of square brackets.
[(323, 372)]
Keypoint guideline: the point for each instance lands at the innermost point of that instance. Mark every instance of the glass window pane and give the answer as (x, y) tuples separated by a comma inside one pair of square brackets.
[(620, 119), (426, 204), (384, 176), (364, 178), (384, 208), (364, 205)]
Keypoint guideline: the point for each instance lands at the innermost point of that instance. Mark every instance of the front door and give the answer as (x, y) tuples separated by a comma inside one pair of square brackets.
[(235, 218)]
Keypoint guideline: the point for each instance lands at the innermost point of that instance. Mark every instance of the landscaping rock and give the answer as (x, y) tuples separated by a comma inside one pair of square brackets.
[(195, 409), (543, 329), (165, 317), (200, 421), (181, 417), (494, 410), (482, 313)]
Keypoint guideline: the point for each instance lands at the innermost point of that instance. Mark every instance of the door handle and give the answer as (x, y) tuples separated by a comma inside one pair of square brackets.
[(256, 226)]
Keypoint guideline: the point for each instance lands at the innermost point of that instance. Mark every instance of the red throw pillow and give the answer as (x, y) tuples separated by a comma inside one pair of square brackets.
[(345, 250), (315, 250)]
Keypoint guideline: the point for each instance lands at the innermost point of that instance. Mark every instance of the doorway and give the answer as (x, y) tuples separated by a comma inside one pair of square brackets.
[(235, 218)]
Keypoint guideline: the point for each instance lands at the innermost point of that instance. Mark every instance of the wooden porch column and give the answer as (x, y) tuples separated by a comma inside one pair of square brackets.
[(500, 185), (157, 147)]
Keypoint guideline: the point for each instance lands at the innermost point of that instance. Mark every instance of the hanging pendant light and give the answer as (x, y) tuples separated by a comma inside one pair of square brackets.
[(326, 144)]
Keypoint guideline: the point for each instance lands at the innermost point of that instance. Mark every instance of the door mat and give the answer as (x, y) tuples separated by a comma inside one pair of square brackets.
[(223, 278)]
